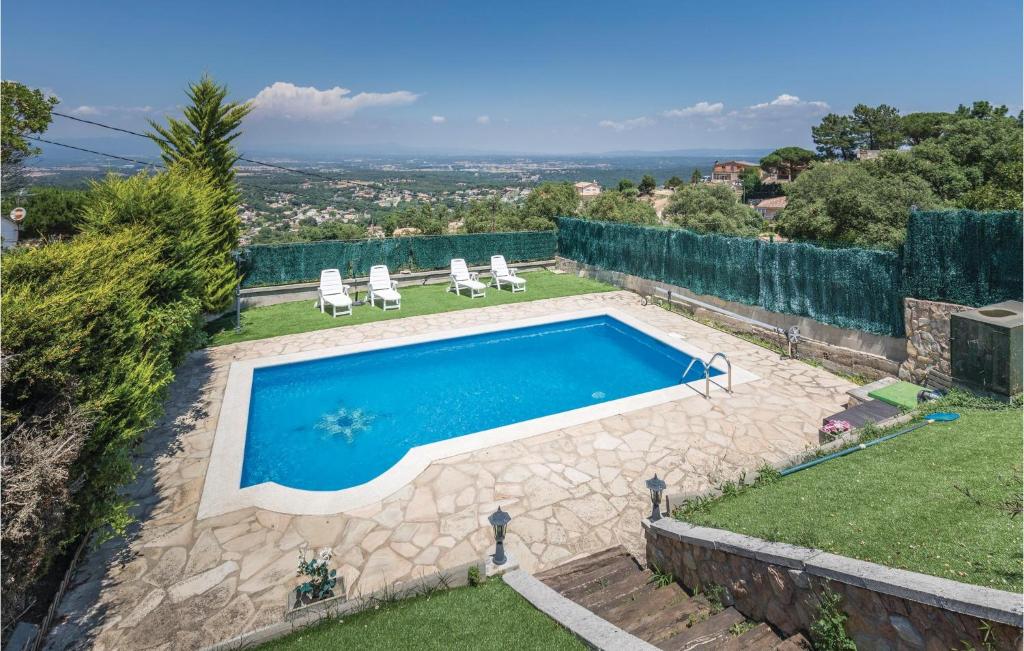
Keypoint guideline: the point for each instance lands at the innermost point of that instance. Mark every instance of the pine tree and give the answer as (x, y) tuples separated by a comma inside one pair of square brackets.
[(202, 142)]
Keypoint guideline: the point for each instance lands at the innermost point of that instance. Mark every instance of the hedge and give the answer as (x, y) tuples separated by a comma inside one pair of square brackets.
[(849, 288), (90, 341), (963, 256), (277, 264)]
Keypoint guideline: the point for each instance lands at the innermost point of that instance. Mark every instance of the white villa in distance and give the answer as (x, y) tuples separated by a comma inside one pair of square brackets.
[(587, 189)]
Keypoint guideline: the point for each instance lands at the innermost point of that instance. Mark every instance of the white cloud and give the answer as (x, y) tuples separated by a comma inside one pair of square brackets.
[(786, 105), (626, 125), (483, 119), (700, 109), (86, 110), (438, 119), (286, 100)]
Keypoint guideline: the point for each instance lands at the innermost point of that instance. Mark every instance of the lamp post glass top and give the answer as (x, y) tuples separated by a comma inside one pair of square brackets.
[(657, 487), (499, 522)]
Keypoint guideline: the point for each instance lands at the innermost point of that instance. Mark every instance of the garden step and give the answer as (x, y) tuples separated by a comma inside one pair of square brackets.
[(794, 643), (622, 589), (706, 634), (613, 586), (672, 620), (584, 563), (647, 604), (864, 413), (759, 638), (620, 583), (583, 582)]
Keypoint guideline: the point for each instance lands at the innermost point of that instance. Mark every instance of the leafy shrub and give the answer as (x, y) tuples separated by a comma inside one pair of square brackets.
[(177, 206), (828, 631), (614, 206), (853, 203), (92, 329), (713, 208)]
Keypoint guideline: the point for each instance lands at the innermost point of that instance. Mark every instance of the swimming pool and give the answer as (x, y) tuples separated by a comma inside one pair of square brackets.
[(331, 430), (346, 419)]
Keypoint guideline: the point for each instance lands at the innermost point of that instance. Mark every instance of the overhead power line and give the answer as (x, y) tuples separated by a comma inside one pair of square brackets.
[(98, 153), (159, 139), (148, 164)]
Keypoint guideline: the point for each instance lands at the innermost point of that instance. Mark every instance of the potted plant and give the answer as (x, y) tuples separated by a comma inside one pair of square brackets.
[(320, 579), (833, 429)]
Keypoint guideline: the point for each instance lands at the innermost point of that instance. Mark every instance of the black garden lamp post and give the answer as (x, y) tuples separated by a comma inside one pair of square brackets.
[(236, 255), (657, 487), (499, 522)]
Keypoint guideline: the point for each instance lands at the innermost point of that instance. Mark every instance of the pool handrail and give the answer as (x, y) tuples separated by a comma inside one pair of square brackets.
[(707, 372)]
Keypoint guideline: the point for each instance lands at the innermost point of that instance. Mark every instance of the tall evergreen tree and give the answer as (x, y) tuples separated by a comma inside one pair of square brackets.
[(202, 142)]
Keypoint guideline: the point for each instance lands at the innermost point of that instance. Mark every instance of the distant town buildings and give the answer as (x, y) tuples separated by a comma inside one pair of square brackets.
[(730, 171), (868, 154), (587, 189), (769, 208)]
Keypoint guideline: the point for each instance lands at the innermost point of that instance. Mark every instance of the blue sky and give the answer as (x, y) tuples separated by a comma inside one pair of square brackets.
[(540, 77)]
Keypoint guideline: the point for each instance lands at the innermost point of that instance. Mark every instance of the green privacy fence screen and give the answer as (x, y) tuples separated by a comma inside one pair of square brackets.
[(849, 288), (963, 256), (277, 264)]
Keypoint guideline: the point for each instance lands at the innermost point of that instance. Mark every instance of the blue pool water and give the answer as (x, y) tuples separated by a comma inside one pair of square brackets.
[(338, 422)]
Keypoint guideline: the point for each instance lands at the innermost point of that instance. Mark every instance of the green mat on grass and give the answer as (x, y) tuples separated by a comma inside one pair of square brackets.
[(899, 394)]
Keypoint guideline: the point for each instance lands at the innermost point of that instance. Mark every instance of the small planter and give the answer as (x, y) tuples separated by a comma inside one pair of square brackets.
[(298, 606)]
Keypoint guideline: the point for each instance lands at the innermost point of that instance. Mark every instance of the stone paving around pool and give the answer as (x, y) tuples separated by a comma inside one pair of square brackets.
[(182, 583)]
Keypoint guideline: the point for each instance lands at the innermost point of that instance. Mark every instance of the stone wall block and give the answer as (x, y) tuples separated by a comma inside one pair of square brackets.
[(886, 608)]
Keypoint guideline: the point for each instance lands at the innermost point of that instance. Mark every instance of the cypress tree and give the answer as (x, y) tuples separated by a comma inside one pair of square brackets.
[(202, 142)]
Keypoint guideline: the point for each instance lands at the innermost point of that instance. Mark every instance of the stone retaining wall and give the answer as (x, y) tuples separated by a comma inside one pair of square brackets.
[(927, 324), (887, 608), (838, 349)]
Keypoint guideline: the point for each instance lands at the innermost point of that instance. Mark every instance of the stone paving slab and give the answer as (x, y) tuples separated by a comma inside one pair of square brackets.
[(180, 583)]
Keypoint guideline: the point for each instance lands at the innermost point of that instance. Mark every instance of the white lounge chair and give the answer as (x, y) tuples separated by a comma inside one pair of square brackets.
[(462, 278), (333, 292), (500, 273), (383, 288)]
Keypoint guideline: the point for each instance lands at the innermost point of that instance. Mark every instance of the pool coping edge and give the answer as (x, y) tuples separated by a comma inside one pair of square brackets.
[(221, 492)]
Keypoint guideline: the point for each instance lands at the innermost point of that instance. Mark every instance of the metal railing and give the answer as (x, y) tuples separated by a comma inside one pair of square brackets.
[(707, 372)]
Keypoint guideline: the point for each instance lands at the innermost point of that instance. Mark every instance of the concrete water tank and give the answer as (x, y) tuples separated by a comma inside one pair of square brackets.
[(985, 348)]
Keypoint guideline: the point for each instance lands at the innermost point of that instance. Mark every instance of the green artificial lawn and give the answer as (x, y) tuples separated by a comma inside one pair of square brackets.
[(490, 616), (898, 394), (301, 316), (896, 503)]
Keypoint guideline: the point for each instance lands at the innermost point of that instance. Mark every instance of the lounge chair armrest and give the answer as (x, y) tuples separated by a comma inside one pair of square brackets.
[(394, 285), (344, 289), (513, 271), (474, 276)]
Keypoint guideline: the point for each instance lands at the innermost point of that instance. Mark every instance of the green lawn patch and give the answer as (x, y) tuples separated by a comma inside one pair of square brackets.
[(490, 616), (901, 503), (301, 316)]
